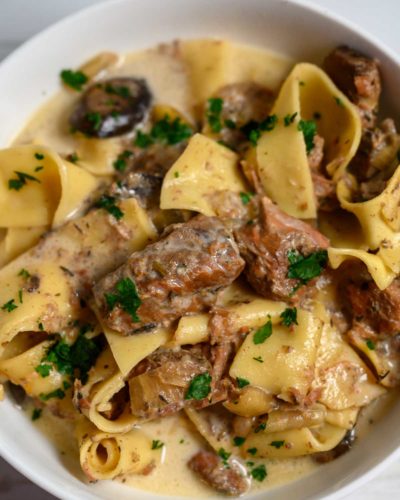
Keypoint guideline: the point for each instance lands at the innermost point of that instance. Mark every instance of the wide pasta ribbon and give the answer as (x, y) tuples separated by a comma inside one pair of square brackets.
[(307, 94)]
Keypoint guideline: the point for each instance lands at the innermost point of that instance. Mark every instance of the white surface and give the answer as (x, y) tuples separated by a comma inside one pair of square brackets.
[(20, 19)]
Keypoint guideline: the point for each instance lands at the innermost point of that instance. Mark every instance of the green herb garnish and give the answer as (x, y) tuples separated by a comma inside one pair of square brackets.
[(126, 296), (24, 273), (277, 444), (58, 393), (260, 427), (259, 473), (108, 203), (9, 306), (95, 119), (261, 335), (309, 129), (39, 156), (43, 370), (238, 440), (289, 316), (245, 197), (339, 102), (73, 157), (242, 382), (120, 162), (259, 359), (165, 131), (143, 140), (224, 455), (156, 444), (20, 296), (306, 268), (200, 387), (288, 119), (121, 91), (21, 180), (230, 124), (370, 345), (74, 79), (38, 169), (36, 414), (176, 175), (253, 129), (252, 451), (214, 110)]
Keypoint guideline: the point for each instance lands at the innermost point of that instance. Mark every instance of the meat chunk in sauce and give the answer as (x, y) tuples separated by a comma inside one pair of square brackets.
[(212, 470), (358, 77), (180, 274), (111, 107), (159, 384), (242, 104), (265, 245)]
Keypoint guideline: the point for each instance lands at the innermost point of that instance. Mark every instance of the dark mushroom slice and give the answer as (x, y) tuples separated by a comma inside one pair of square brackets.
[(111, 107), (344, 446)]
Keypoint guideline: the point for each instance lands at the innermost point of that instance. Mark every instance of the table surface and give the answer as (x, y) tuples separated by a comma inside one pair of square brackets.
[(20, 19)]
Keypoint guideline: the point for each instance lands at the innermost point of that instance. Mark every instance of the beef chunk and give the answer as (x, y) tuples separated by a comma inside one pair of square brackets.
[(358, 77), (380, 309), (243, 103), (316, 155), (325, 192), (181, 273), (111, 107), (229, 480), (159, 384), (266, 245)]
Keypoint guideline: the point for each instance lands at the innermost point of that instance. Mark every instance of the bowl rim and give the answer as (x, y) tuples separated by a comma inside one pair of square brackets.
[(47, 483)]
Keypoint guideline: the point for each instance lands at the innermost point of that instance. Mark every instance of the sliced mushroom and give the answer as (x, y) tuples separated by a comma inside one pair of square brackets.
[(111, 107)]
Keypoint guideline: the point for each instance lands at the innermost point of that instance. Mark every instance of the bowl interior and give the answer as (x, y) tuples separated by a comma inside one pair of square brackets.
[(30, 76)]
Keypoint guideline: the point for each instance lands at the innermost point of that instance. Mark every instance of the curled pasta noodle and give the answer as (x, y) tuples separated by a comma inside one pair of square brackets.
[(252, 402), (207, 423), (281, 153), (204, 168), (105, 456), (17, 240)]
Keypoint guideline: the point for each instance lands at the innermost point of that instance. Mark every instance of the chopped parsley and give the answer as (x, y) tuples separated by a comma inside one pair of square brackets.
[(259, 359), (9, 306), (260, 427), (156, 444), (259, 473), (238, 440), (24, 273), (289, 316), (230, 124), (200, 387), (214, 110), (108, 203), (21, 180), (166, 131), (289, 119), (126, 296), (252, 451), (95, 119), (253, 129), (38, 169), (277, 444), (121, 91), (73, 157), (58, 393), (370, 345), (20, 296), (120, 162), (339, 102), (73, 360), (41, 327), (309, 129), (36, 413), (261, 335), (74, 79), (242, 382), (39, 156), (245, 197), (306, 268), (176, 175), (224, 455)]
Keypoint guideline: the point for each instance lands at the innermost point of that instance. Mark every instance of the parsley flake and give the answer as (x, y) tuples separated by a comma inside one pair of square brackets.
[(9, 306), (39, 156), (339, 102), (309, 129), (200, 387), (252, 451), (58, 393), (24, 273), (20, 296), (74, 79), (176, 175), (370, 345), (260, 427), (224, 455), (21, 180), (108, 203), (245, 197), (277, 444), (165, 131), (95, 119), (121, 91), (43, 370), (253, 129), (259, 359), (259, 473), (36, 414), (38, 169), (156, 444), (289, 316), (242, 382), (238, 440), (261, 335), (230, 124), (289, 119), (305, 268), (120, 163), (143, 140), (126, 296), (73, 157), (214, 110)]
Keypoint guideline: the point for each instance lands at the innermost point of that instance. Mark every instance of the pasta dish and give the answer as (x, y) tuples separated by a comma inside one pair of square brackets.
[(199, 261)]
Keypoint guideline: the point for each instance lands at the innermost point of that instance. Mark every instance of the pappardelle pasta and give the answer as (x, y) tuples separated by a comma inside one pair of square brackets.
[(199, 253)]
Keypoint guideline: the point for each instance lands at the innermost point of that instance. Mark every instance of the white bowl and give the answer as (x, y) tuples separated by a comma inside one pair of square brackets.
[(29, 76)]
